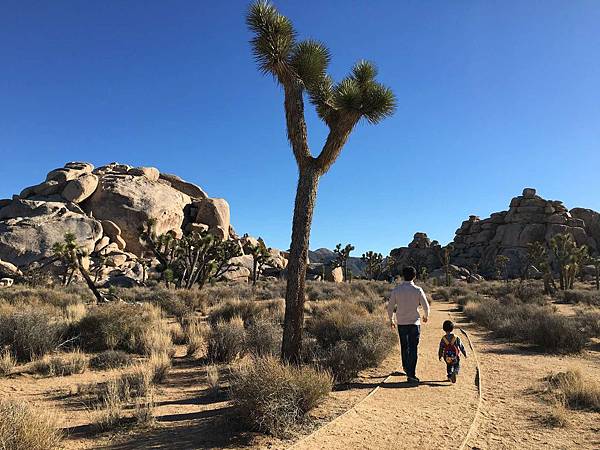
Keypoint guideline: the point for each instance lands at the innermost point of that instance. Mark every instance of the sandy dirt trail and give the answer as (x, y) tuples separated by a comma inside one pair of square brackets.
[(433, 415)]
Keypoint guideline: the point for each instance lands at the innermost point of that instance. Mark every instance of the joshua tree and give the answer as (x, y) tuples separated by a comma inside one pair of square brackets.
[(569, 258), (341, 258), (260, 257), (595, 261), (374, 264), (444, 255), (71, 255), (502, 266), (300, 67), (191, 260), (537, 256)]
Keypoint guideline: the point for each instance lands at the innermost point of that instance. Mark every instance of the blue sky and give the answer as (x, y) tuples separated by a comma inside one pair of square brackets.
[(493, 96)]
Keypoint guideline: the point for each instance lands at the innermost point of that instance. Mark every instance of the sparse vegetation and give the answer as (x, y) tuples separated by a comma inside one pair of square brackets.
[(226, 340), (275, 397), (111, 359), (61, 365), (573, 391), (23, 427), (7, 363)]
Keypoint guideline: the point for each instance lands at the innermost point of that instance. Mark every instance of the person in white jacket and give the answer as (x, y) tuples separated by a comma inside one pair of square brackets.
[(403, 306)]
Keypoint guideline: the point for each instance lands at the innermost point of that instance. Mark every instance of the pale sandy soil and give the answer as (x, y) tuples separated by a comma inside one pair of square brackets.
[(434, 415)]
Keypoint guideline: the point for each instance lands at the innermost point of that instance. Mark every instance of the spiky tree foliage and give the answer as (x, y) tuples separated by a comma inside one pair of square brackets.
[(341, 258), (374, 264), (444, 254), (502, 266), (191, 260), (595, 261), (537, 257), (260, 258), (568, 257), (300, 67), (71, 255)]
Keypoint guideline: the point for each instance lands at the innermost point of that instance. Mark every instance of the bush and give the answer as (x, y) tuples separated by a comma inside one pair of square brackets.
[(248, 310), (263, 338), (159, 365), (226, 340), (195, 335), (24, 428), (528, 323), (274, 397), (111, 359), (351, 340), (572, 390), (179, 303), (30, 333), (59, 297), (61, 365), (7, 363), (121, 326), (580, 296)]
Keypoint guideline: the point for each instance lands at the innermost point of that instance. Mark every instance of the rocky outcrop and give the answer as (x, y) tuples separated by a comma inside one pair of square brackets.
[(591, 220), (530, 218), (104, 209), (420, 252)]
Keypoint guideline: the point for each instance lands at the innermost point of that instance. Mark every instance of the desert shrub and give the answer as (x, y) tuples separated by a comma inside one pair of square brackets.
[(122, 326), (23, 427), (195, 336), (274, 397), (526, 292), (179, 303), (30, 333), (111, 359), (370, 304), (212, 379), (159, 365), (226, 340), (178, 336), (528, 323), (263, 338), (59, 297), (574, 391), (74, 312), (590, 322), (556, 418), (61, 365), (129, 385), (7, 363), (579, 296), (350, 342), (247, 310), (110, 407)]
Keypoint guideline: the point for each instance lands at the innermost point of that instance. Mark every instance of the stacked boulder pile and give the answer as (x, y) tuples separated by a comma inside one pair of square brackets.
[(478, 242), (104, 209)]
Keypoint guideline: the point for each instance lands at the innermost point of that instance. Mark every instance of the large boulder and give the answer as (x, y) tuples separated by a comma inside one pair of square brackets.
[(214, 212), (130, 200), (81, 188), (28, 239), (187, 188)]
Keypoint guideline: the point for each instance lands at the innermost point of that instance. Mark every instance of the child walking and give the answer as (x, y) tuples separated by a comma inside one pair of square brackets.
[(450, 349)]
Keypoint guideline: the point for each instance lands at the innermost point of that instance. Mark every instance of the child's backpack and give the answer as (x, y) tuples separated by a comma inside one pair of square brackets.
[(451, 350)]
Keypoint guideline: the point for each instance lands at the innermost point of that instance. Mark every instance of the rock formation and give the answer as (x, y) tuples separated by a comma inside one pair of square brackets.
[(477, 242), (104, 209)]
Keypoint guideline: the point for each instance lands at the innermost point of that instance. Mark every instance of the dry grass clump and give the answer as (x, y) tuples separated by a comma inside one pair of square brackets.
[(159, 365), (573, 391), (61, 365), (30, 332), (534, 324), (274, 397), (22, 427), (74, 312), (111, 359), (110, 407), (558, 417), (212, 379), (195, 333), (226, 340), (349, 339), (358, 289), (121, 326), (7, 363)]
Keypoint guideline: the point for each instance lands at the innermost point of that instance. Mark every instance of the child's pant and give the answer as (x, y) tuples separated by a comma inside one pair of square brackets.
[(453, 368)]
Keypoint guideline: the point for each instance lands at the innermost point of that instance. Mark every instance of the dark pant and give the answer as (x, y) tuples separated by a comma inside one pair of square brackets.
[(409, 342), (453, 368)]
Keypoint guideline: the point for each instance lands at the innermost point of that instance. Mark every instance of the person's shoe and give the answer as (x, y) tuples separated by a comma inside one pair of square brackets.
[(449, 377), (413, 380), (453, 378)]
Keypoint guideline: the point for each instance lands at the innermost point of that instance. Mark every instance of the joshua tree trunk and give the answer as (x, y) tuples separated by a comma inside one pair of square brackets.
[(88, 280), (306, 195)]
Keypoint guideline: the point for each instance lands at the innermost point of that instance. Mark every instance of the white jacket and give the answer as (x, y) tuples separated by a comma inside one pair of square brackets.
[(405, 299)]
